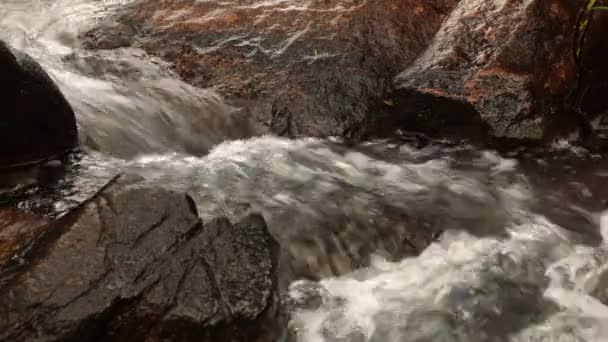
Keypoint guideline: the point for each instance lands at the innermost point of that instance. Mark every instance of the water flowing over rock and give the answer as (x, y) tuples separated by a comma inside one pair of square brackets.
[(506, 66), (37, 121), (326, 68), (313, 68), (136, 263), (409, 237)]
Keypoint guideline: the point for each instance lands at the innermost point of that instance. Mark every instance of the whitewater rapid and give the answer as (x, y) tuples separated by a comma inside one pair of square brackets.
[(127, 103), (520, 252)]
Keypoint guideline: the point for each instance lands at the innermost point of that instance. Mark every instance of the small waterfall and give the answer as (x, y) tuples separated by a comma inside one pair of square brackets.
[(127, 103), (517, 249)]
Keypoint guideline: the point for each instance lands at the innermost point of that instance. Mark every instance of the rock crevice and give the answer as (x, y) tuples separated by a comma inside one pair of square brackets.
[(158, 272)]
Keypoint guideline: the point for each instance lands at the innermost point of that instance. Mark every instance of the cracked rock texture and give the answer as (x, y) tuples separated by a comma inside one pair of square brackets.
[(136, 263), (17, 231), (302, 68), (501, 68), (360, 69)]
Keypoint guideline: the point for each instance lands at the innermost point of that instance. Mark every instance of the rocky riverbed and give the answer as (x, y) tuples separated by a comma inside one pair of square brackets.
[(300, 170)]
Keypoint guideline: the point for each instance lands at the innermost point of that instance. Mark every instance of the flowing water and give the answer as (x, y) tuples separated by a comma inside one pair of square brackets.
[(128, 103), (518, 240)]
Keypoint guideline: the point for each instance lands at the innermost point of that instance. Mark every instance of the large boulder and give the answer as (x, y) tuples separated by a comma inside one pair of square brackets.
[(495, 67), (468, 68), (136, 263), (314, 68), (37, 121)]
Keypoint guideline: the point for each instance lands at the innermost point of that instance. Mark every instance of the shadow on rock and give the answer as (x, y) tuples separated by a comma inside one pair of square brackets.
[(136, 263), (38, 122)]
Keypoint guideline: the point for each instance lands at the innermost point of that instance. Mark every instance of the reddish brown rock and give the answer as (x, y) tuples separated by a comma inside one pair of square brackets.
[(18, 230), (506, 64), (314, 68)]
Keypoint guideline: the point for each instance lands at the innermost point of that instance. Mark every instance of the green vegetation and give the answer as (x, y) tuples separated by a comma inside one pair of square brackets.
[(575, 99), (582, 26)]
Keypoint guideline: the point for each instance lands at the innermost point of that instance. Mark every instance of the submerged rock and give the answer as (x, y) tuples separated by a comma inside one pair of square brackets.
[(502, 68), (136, 263), (305, 68), (38, 122)]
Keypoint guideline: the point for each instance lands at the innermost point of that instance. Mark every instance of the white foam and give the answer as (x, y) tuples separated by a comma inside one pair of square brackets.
[(126, 102), (448, 291), (534, 283), (565, 145)]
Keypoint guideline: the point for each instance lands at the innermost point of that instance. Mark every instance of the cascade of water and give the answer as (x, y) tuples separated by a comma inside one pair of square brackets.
[(515, 260), (126, 103)]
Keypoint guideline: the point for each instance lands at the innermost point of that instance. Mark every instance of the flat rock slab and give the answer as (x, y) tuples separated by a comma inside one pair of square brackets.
[(136, 263)]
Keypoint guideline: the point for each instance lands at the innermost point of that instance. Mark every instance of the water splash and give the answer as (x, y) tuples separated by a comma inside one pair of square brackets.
[(535, 285), (127, 103), (352, 222)]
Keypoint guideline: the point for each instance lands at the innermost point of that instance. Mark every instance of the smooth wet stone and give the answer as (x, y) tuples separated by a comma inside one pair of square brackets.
[(36, 122), (503, 69)]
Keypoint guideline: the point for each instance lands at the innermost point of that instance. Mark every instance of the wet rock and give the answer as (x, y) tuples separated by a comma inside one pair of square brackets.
[(313, 68), (18, 230), (37, 122), (136, 263), (502, 68)]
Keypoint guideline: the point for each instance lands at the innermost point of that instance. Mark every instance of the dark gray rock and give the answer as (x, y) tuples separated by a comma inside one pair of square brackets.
[(136, 263), (37, 121)]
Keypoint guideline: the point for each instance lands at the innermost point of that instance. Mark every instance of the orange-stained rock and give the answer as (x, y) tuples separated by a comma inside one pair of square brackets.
[(317, 67), (509, 63), (18, 230), (470, 68)]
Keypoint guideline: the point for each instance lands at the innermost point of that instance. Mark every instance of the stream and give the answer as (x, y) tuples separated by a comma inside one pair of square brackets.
[(518, 238)]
